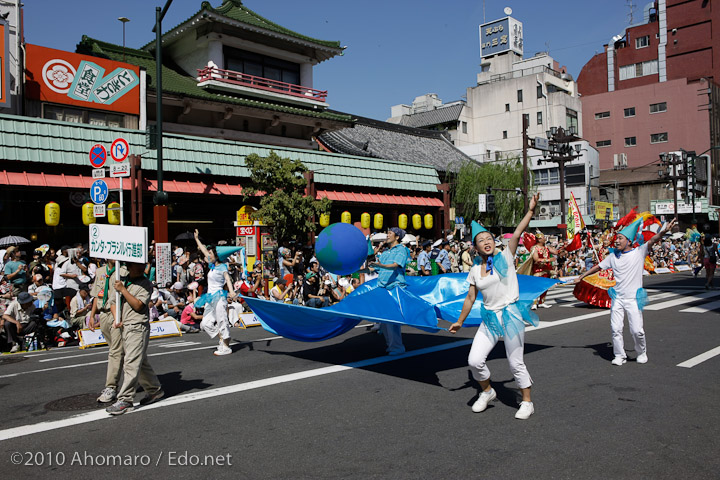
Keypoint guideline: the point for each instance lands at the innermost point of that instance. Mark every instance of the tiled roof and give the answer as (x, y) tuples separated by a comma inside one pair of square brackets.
[(235, 10), (433, 117), (177, 82), (373, 138), (37, 140)]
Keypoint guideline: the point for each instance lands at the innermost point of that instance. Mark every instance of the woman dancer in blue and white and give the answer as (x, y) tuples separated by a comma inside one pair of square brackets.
[(494, 276), (215, 318)]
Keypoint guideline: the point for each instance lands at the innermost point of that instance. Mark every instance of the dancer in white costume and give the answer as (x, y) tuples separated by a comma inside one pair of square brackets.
[(215, 318), (494, 276)]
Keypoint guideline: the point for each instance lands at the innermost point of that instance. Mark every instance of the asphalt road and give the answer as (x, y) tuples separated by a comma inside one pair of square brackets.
[(281, 409)]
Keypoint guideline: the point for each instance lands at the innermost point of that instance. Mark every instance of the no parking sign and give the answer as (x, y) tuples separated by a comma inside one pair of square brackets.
[(98, 155)]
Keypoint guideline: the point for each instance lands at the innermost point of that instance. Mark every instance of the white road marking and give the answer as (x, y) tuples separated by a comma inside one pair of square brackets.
[(681, 301), (700, 358), (703, 308)]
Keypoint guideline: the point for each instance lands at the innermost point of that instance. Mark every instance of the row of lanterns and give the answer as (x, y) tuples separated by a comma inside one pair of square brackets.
[(52, 214), (417, 220)]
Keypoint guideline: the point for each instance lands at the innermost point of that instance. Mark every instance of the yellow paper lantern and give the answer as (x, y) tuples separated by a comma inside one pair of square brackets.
[(428, 221), (402, 221), (113, 215), (417, 221), (324, 219), (52, 214), (345, 217), (87, 214), (365, 220), (378, 222)]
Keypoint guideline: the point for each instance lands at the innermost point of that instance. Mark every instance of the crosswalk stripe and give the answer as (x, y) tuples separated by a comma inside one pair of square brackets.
[(682, 300), (651, 298), (705, 307)]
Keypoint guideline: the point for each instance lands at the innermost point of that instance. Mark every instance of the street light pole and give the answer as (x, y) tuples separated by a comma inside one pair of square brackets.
[(561, 152), (525, 141), (124, 20)]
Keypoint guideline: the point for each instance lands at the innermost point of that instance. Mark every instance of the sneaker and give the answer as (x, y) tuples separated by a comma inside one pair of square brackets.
[(194, 330), (618, 360), (526, 409), (534, 307), (107, 395), (15, 348), (223, 351), (120, 407), (483, 400), (642, 358), (545, 305), (148, 399)]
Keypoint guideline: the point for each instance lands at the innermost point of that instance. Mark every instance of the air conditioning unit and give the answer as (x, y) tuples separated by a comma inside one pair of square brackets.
[(544, 211), (619, 161)]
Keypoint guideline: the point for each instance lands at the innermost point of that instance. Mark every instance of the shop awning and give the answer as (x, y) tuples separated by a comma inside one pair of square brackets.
[(81, 182), (356, 197)]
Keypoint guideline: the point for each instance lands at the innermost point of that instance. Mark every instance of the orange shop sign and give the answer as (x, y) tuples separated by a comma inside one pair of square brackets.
[(82, 81)]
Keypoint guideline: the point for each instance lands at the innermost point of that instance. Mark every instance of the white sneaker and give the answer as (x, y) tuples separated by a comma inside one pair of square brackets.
[(545, 305), (534, 307), (618, 360), (223, 351), (15, 348), (642, 358), (107, 395), (483, 400), (526, 409)]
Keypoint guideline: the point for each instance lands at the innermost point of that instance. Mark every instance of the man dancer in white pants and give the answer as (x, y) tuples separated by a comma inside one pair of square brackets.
[(628, 295)]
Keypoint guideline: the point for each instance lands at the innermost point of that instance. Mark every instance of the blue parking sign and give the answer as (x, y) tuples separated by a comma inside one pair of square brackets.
[(98, 191)]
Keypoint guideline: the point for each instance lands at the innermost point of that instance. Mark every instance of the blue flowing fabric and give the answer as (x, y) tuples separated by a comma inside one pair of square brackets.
[(641, 297), (419, 305)]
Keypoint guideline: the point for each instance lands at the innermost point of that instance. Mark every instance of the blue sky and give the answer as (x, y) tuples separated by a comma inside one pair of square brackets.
[(396, 49)]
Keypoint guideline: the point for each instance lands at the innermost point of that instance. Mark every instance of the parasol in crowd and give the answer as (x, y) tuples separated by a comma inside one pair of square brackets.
[(13, 240)]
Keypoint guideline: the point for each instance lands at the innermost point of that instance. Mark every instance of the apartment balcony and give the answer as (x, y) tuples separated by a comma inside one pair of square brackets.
[(265, 88)]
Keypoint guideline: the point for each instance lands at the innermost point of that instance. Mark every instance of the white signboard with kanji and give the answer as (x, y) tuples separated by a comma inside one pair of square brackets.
[(163, 264), (126, 244)]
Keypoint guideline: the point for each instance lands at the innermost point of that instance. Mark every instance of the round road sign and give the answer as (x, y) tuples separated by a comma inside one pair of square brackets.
[(119, 149), (99, 191), (98, 155)]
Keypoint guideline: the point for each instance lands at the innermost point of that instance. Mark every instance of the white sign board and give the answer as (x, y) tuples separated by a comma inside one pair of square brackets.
[(249, 320), (99, 210), (126, 244), (482, 203), (668, 208), (542, 143), (159, 329), (98, 172), (120, 170), (163, 262)]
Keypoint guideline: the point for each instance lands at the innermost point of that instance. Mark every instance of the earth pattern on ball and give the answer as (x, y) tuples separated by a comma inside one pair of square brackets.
[(341, 248)]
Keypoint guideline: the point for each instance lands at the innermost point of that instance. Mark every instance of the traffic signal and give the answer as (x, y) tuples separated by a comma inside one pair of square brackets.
[(491, 203)]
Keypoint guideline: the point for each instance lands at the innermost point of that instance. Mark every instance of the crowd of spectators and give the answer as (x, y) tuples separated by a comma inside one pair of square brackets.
[(49, 290)]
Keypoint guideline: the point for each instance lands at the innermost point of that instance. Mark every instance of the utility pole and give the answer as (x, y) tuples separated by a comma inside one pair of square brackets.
[(525, 141), (560, 151), (669, 163)]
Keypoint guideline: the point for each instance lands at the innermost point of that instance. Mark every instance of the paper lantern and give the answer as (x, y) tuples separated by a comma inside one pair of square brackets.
[(378, 222), (365, 220), (402, 221), (428, 221), (417, 221), (113, 215), (88, 217), (345, 217), (52, 214), (324, 219)]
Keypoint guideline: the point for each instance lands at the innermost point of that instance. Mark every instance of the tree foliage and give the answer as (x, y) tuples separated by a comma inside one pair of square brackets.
[(280, 185), (473, 179)]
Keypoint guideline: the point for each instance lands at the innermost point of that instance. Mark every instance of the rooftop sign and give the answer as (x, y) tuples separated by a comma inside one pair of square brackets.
[(501, 36)]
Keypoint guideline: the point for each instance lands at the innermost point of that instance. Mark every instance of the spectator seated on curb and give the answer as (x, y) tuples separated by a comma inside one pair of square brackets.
[(20, 319), (80, 306)]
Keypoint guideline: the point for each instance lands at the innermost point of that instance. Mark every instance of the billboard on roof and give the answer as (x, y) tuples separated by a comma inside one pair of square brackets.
[(501, 36), (80, 80)]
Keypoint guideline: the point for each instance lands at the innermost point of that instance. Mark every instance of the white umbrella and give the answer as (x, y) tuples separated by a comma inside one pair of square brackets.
[(436, 244), (13, 240), (408, 238), (379, 237), (677, 235)]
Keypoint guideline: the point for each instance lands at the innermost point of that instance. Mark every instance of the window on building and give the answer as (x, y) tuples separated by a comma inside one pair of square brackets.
[(554, 176), (600, 115), (642, 42), (603, 143), (526, 119), (464, 127), (571, 120), (539, 118), (519, 95), (504, 134), (540, 91), (90, 117), (629, 112), (575, 175), (638, 69), (541, 177), (261, 66), (659, 137), (630, 141), (658, 107), (507, 107)]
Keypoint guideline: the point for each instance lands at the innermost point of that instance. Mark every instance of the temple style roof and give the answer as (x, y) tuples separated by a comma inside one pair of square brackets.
[(433, 117)]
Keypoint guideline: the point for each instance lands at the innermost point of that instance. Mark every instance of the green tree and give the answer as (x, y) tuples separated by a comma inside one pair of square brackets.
[(473, 179), (283, 203)]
